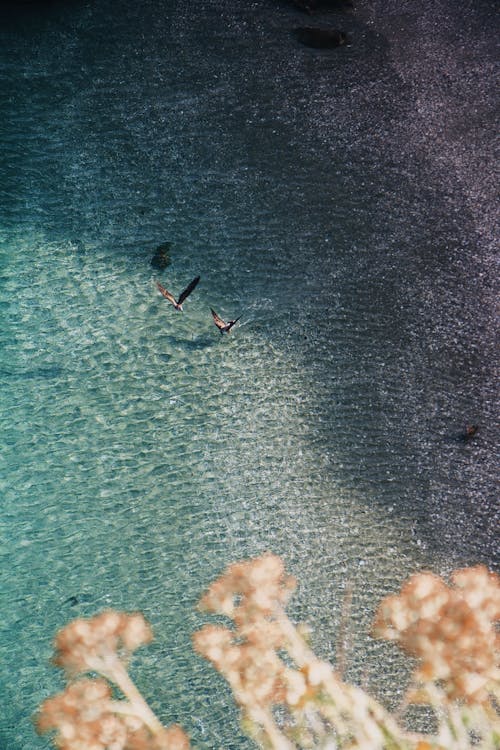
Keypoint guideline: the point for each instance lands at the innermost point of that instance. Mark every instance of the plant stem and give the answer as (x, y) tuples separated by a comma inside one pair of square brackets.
[(117, 674), (266, 721)]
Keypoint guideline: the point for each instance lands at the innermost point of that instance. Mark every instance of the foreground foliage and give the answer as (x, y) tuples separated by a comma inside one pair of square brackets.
[(449, 630)]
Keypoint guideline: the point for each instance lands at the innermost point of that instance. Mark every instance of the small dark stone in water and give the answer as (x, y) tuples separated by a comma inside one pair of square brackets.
[(321, 38), (470, 431), (161, 257)]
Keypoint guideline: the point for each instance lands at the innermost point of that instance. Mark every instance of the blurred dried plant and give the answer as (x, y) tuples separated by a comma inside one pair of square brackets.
[(289, 698), (85, 716)]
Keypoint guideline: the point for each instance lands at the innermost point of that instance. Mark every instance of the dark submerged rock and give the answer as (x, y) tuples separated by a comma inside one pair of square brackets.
[(321, 38), (469, 432), (161, 257)]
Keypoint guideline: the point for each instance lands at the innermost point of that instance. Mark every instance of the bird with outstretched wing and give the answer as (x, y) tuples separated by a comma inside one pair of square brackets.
[(177, 303), (221, 324)]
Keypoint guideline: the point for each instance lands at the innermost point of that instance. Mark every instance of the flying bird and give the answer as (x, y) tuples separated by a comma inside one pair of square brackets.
[(221, 324), (177, 303)]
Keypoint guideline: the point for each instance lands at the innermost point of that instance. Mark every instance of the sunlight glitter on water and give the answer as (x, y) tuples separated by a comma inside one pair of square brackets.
[(140, 442)]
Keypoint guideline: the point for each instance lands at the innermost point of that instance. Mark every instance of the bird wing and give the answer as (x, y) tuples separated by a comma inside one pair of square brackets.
[(166, 293), (217, 320), (232, 322), (187, 291)]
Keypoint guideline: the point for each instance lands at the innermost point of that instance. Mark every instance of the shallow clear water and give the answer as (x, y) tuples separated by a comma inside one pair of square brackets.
[(343, 203)]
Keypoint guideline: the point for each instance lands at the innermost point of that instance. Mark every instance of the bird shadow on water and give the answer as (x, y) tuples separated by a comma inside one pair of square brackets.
[(203, 341)]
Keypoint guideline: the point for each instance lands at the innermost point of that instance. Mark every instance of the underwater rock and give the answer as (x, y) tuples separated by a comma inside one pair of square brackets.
[(321, 38), (469, 432), (161, 258)]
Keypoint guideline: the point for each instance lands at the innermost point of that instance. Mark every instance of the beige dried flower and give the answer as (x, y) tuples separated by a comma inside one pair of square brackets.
[(450, 630), (250, 588), (85, 717), (480, 588), (254, 671), (269, 665), (82, 717), (252, 593), (289, 697), (91, 645), (176, 738), (172, 738)]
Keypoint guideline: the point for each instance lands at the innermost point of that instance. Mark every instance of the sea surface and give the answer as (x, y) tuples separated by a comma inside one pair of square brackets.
[(343, 203)]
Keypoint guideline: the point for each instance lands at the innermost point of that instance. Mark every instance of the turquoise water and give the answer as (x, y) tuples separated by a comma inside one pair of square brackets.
[(343, 204)]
